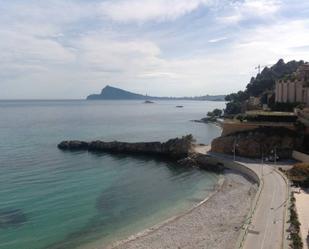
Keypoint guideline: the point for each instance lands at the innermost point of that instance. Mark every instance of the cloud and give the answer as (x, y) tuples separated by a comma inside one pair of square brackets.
[(68, 49), (157, 74), (146, 10), (219, 39), (107, 53), (249, 9)]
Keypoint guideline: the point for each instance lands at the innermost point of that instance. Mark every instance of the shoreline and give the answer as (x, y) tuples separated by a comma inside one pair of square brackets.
[(158, 226), (231, 187)]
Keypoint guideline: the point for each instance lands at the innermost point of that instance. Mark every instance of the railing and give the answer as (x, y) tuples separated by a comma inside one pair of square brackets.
[(253, 175), (245, 228)]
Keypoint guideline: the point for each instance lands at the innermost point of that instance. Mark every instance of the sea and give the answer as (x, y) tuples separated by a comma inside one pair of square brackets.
[(50, 199)]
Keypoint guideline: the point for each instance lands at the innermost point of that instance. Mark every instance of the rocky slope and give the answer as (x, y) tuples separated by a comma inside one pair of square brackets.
[(258, 142)]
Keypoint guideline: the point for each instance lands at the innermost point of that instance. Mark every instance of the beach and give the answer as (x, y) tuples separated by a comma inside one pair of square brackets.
[(215, 223)]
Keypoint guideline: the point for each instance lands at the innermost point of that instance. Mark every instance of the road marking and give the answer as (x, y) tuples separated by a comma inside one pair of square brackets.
[(268, 216)]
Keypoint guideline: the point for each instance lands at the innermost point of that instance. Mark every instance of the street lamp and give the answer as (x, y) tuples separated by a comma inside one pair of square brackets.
[(234, 149), (274, 154), (262, 162)]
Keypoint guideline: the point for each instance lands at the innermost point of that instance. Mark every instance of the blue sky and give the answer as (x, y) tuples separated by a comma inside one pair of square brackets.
[(71, 48)]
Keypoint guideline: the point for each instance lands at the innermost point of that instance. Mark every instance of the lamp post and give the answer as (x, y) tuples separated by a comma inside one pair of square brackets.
[(262, 162), (234, 149), (274, 154)]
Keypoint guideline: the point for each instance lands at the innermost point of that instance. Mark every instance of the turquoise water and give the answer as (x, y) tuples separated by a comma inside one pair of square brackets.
[(67, 200)]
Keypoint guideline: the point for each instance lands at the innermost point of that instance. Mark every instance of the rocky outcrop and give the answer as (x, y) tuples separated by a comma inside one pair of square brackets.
[(176, 148), (202, 161), (258, 142)]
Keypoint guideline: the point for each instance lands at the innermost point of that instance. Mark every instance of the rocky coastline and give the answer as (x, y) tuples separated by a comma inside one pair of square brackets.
[(233, 197), (176, 148), (180, 150)]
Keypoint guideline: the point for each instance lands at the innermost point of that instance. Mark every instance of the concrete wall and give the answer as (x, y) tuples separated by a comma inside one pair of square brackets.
[(213, 160), (291, 92), (300, 156), (285, 93), (232, 127), (299, 93)]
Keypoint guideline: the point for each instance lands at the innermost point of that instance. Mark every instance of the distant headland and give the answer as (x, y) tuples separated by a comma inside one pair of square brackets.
[(113, 93)]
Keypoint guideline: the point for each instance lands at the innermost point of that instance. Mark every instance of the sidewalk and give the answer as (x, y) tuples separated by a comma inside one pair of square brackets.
[(302, 206)]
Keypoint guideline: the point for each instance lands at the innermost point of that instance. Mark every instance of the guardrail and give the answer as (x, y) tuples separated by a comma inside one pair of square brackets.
[(228, 163), (255, 177)]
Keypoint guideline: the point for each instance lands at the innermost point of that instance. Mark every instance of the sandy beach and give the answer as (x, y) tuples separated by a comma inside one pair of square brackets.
[(214, 224)]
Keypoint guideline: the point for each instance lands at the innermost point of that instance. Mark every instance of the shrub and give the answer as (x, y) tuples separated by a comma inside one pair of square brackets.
[(299, 174)]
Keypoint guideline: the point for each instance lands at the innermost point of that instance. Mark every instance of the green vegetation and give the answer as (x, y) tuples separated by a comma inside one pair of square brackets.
[(215, 113), (260, 84), (296, 242), (299, 174), (213, 116)]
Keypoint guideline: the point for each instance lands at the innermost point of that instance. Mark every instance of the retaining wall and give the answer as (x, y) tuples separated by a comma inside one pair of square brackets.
[(300, 156), (213, 160)]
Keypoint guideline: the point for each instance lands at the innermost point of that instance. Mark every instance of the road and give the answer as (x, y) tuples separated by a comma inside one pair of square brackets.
[(267, 226), (266, 230)]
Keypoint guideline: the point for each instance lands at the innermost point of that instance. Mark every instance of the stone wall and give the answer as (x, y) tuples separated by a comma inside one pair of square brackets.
[(299, 156), (257, 143)]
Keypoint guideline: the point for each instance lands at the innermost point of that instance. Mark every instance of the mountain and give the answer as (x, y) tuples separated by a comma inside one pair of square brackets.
[(113, 93)]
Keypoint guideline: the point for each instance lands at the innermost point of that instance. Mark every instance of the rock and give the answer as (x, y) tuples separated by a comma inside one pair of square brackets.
[(175, 148), (148, 102), (73, 145), (258, 142), (206, 120), (202, 161)]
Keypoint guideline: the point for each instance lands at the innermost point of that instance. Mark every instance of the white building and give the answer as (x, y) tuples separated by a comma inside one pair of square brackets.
[(294, 89)]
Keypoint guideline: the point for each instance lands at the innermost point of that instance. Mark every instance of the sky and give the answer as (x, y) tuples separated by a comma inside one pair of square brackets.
[(67, 49)]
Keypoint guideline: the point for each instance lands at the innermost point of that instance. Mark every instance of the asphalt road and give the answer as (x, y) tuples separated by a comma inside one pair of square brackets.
[(266, 230)]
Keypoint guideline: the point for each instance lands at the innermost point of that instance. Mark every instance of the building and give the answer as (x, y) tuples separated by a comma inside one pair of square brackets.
[(294, 88)]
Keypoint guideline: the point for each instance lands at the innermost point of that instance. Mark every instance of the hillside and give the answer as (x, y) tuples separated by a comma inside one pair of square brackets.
[(113, 93), (263, 82)]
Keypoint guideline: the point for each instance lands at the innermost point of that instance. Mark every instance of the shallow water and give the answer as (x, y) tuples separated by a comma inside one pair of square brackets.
[(70, 199)]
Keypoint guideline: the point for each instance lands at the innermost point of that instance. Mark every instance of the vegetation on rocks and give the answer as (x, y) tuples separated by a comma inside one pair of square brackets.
[(263, 82), (296, 242), (215, 113), (299, 174)]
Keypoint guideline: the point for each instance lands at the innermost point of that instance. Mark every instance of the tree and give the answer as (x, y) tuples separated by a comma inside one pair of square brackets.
[(258, 85), (217, 112)]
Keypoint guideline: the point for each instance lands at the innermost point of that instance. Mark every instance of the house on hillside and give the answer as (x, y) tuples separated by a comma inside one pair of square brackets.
[(294, 88)]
